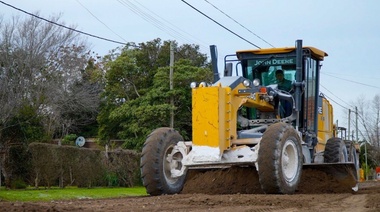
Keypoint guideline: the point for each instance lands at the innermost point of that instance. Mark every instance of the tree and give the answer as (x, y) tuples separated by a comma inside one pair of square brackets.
[(367, 158), (41, 77), (369, 120), (74, 88), (142, 115), (137, 91)]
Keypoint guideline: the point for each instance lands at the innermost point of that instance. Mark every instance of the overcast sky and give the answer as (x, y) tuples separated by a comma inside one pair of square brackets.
[(349, 31)]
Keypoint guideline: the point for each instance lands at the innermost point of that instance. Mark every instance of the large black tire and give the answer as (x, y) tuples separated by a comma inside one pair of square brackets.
[(280, 159), (154, 165), (335, 151)]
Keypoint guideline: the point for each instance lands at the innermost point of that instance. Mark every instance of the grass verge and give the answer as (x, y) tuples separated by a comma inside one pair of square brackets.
[(33, 195)]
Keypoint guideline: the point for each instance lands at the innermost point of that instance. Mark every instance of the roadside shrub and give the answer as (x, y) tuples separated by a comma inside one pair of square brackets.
[(133, 143), (69, 139), (112, 179), (18, 183), (82, 167), (125, 165), (18, 165)]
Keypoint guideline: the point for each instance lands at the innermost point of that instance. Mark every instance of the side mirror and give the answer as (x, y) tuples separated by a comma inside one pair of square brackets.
[(228, 70)]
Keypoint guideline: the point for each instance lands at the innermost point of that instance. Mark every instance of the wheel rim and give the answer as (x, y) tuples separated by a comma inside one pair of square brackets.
[(172, 164), (289, 160)]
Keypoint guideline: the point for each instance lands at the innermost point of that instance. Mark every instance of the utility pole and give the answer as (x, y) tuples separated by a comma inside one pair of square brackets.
[(171, 84), (356, 123), (349, 123)]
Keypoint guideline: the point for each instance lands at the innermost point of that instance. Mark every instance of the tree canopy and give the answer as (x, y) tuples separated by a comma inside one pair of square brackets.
[(45, 86), (137, 92), (368, 116)]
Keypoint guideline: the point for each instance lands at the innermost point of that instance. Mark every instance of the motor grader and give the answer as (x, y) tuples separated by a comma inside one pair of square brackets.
[(238, 121)]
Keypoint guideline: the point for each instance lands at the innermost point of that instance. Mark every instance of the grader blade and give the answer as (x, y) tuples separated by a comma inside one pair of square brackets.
[(343, 173)]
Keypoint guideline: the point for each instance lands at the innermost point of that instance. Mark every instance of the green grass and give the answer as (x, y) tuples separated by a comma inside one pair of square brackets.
[(32, 195)]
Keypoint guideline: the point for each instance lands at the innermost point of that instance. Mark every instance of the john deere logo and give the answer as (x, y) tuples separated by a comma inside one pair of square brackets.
[(282, 61)]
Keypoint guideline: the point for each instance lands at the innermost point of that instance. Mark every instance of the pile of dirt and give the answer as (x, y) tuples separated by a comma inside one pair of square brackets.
[(234, 180), (245, 180), (318, 182)]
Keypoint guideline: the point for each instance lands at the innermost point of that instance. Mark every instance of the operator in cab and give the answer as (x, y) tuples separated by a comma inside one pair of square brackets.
[(284, 85)]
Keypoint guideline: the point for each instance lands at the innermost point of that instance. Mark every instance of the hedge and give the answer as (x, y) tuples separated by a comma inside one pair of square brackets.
[(74, 166)]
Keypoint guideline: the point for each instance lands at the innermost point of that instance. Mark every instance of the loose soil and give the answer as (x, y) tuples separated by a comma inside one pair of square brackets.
[(206, 191)]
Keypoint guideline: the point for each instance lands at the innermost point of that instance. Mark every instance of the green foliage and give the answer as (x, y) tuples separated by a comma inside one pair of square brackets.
[(371, 162), (18, 166), (18, 183), (89, 130), (25, 127), (112, 179), (137, 93), (69, 139), (133, 143), (119, 87)]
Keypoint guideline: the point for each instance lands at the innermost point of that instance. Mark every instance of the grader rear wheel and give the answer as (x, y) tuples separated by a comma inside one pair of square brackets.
[(341, 162), (280, 159), (160, 161), (352, 154), (335, 151), (353, 157)]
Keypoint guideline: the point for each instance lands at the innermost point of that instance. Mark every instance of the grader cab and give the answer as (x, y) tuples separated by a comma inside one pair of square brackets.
[(246, 119)]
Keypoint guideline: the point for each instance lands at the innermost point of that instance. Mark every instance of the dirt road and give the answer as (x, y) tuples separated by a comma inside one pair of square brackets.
[(366, 199)]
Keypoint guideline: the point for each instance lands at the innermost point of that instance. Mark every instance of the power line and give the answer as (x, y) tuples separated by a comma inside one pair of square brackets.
[(153, 20), (335, 95), (100, 20), (347, 75), (238, 23), (220, 24), (336, 102), (351, 81), (60, 25), (191, 36)]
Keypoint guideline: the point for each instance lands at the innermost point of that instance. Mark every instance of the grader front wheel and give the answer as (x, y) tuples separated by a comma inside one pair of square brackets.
[(280, 159), (160, 162)]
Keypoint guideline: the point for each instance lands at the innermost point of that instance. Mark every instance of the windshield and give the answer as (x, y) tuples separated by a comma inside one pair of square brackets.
[(265, 70)]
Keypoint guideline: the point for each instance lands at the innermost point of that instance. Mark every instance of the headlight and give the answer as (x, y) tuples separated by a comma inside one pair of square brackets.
[(247, 83), (256, 82), (193, 85)]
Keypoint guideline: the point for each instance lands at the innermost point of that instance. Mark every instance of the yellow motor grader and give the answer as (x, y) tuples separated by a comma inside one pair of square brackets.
[(245, 119)]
